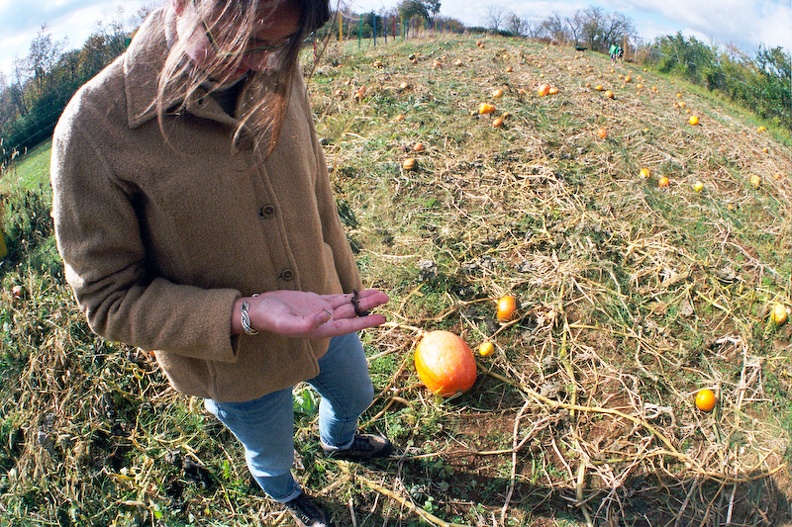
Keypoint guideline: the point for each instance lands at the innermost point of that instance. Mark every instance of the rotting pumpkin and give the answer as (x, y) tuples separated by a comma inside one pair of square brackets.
[(445, 363)]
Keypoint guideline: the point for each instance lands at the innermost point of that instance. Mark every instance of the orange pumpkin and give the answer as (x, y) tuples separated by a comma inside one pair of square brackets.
[(779, 314), (507, 308), (706, 400), (445, 363), (485, 108)]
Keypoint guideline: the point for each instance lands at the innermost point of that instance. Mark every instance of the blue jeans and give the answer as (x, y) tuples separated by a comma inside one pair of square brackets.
[(265, 426)]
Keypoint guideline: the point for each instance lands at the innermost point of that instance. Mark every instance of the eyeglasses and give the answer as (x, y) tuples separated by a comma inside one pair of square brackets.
[(262, 48)]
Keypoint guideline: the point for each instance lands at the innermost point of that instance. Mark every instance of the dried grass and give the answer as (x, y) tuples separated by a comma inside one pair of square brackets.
[(633, 298)]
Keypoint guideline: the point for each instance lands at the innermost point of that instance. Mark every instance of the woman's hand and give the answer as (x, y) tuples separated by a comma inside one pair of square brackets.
[(308, 315)]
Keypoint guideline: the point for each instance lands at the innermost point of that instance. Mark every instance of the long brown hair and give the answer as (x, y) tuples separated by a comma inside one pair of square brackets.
[(266, 93)]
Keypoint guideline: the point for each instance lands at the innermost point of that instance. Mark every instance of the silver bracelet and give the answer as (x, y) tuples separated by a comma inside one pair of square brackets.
[(245, 320)]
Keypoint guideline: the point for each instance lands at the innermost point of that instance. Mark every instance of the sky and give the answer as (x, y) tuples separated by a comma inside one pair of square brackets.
[(746, 24)]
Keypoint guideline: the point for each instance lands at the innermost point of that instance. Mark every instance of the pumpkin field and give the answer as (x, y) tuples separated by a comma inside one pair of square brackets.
[(638, 374)]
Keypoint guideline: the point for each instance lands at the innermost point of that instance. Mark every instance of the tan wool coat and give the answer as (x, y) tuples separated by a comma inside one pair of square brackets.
[(160, 237)]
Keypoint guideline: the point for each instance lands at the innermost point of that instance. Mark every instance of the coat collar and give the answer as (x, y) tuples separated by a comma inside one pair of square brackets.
[(143, 63)]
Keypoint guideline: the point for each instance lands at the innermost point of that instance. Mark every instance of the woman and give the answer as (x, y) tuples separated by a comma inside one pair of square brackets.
[(195, 217)]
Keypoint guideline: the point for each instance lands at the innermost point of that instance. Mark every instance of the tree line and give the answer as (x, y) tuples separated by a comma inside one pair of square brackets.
[(40, 84)]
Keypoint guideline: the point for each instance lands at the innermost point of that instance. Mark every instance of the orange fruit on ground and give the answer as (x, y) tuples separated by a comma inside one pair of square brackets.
[(602, 133), (663, 182), (698, 186), (645, 173), (498, 122), (445, 363), (755, 181), (409, 164), (485, 108), (497, 93), (543, 90), (609, 94), (694, 121), (486, 349), (705, 400), (418, 147), (507, 308), (779, 314)]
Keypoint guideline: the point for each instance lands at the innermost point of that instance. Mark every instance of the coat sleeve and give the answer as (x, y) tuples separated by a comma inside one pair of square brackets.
[(98, 236), (334, 233)]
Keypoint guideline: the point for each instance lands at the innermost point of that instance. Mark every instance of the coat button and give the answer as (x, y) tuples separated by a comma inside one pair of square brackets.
[(266, 212), (286, 275)]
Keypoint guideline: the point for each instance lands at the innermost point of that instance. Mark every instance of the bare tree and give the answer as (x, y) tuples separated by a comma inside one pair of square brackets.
[(575, 24), (552, 28), (516, 25), (495, 17), (44, 54), (600, 28)]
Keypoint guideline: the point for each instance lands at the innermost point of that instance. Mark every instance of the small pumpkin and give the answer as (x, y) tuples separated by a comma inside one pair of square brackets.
[(445, 363), (409, 164), (486, 348), (779, 314), (485, 108), (706, 400), (507, 308)]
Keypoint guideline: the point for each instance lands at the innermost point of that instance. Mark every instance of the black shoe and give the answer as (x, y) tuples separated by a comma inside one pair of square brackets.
[(307, 513), (364, 446)]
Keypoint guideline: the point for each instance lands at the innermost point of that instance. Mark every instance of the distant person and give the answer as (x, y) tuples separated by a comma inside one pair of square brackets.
[(614, 53), (195, 217), (621, 53)]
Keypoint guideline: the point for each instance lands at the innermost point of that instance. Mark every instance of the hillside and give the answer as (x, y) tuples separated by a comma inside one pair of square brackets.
[(633, 297)]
